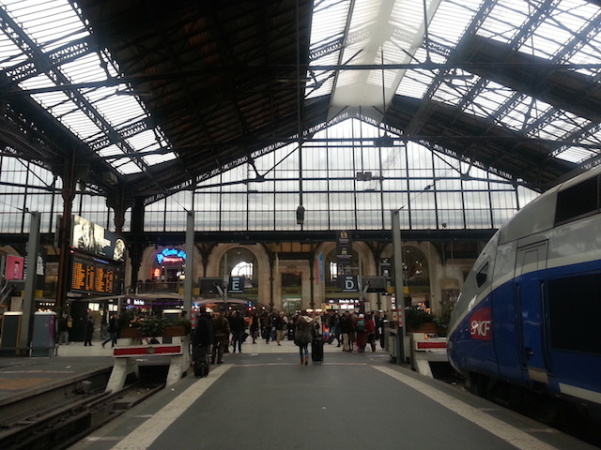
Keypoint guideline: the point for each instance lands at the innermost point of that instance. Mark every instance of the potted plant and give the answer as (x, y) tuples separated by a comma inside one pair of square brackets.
[(444, 317), (128, 328), (419, 321), (151, 327)]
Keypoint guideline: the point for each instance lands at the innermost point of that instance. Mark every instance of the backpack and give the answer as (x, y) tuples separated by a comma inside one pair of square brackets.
[(360, 325)]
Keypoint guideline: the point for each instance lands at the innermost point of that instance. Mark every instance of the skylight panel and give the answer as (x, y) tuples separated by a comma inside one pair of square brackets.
[(57, 103), (505, 20), (574, 14), (328, 21), (84, 69), (546, 42), (39, 81), (157, 159), (524, 113), (390, 31), (454, 89), (593, 146), (415, 84), (80, 124), (574, 154), (562, 125), (126, 167), (10, 54), (51, 24), (46, 21), (110, 152), (452, 19), (120, 109), (143, 141), (487, 102), (61, 106)]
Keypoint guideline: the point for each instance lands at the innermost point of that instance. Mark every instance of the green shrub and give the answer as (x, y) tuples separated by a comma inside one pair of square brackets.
[(151, 326)]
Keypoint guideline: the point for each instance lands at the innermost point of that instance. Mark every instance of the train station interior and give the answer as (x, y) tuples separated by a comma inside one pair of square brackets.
[(159, 155), (280, 124)]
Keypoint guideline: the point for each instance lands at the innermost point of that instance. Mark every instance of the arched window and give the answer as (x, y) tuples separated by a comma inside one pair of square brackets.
[(243, 269)]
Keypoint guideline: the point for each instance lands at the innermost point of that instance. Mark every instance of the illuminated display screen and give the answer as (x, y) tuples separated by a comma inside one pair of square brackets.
[(94, 277)]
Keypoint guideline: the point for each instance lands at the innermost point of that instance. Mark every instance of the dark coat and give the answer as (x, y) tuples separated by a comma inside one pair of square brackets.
[(221, 328), (204, 330), (113, 325), (346, 325), (237, 323), (304, 331), (89, 328)]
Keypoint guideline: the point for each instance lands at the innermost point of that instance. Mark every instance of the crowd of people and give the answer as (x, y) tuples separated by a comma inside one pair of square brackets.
[(350, 330), (217, 332)]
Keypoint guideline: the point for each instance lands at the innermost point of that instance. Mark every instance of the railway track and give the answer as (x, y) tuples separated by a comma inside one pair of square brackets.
[(66, 421)]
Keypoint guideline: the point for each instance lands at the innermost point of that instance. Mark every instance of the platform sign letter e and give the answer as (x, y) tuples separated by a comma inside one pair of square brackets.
[(236, 285), (481, 324)]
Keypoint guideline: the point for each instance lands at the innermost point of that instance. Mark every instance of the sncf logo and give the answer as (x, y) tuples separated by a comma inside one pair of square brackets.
[(481, 325)]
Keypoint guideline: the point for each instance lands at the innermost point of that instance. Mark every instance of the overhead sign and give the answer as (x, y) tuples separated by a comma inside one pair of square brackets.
[(374, 284), (92, 238), (348, 283), (211, 287), (171, 256), (94, 277), (236, 285)]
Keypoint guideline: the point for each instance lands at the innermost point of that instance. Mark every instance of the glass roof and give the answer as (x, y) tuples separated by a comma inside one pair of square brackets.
[(345, 33), (46, 27), (388, 32)]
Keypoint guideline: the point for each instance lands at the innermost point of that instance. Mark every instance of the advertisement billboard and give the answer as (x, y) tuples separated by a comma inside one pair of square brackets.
[(92, 238)]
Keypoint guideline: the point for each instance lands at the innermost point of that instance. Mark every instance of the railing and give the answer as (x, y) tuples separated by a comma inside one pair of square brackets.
[(158, 286)]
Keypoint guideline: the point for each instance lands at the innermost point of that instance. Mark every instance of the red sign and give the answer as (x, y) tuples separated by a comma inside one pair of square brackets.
[(481, 324), (145, 350), (173, 260), (14, 267)]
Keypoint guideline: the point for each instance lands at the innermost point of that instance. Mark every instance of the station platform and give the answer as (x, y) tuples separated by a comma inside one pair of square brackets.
[(23, 377), (264, 399)]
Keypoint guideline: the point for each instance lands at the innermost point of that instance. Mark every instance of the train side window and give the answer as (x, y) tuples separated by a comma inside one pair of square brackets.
[(575, 313), (577, 201), (482, 275)]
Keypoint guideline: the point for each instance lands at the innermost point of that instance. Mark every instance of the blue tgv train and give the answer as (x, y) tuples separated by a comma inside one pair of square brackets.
[(529, 315)]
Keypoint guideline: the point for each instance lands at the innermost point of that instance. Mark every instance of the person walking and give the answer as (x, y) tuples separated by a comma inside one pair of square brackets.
[(237, 327), (221, 335), (202, 340), (63, 330), (113, 330), (280, 323), (266, 326), (254, 327), (361, 333), (303, 336), (89, 332), (346, 327)]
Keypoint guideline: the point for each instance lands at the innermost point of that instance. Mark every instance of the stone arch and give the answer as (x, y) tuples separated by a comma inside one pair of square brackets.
[(263, 269), (367, 262)]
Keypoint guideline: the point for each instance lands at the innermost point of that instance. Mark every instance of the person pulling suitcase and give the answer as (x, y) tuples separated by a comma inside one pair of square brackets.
[(201, 344), (317, 341)]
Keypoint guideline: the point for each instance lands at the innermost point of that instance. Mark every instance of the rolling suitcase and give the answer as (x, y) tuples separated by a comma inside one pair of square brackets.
[(200, 361), (317, 350)]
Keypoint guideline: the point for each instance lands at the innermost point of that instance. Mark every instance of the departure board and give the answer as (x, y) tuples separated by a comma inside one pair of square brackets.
[(94, 277)]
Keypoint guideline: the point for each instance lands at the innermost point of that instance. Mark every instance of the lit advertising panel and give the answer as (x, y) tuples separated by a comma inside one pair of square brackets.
[(92, 238), (14, 267)]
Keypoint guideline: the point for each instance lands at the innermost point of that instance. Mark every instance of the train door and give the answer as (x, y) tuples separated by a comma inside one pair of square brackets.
[(530, 270)]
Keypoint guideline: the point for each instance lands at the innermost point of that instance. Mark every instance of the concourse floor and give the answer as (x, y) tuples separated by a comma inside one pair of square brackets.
[(264, 399)]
